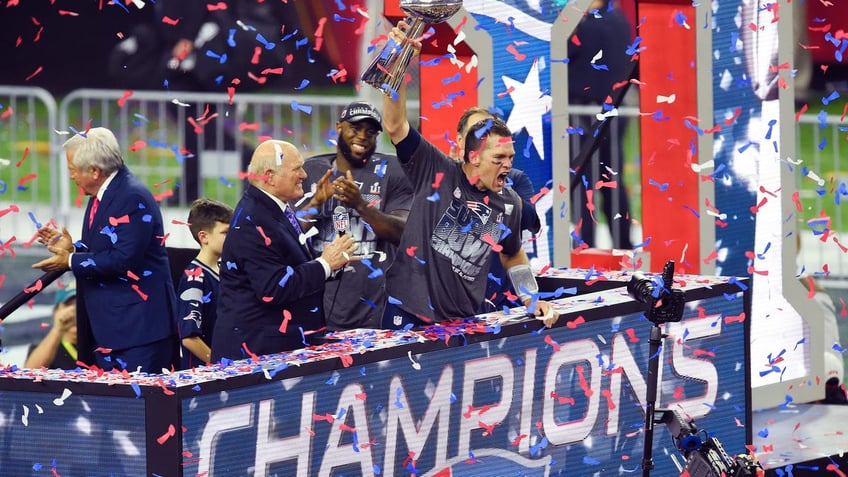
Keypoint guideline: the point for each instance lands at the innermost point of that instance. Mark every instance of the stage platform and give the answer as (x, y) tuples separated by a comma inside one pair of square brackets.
[(496, 394)]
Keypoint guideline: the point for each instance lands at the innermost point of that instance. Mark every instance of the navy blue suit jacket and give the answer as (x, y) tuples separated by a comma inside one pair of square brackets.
[(125, 297), (266, 275)]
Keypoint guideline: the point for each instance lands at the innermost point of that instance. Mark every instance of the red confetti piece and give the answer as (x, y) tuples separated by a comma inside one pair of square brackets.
[(576, 322), (272, 71), (833, 468), (361, 396), (286, 318), (410, 251), (35, 73), (114, 221), (734, 319), (262, 233), (507, 92), (732, 119), (248, 352), (103, 350), (583, 384), (29, 177), (608, 395), (140, 293), (123, 99), (549, 340), (172, 431), (217, 6), (138, 145), (491, 241), (490, 429), (800, 112), (631, 335), (26, 153), (257, 52), (438, 180), (132, 274), (170, 21), (36, 287), (11, 208)]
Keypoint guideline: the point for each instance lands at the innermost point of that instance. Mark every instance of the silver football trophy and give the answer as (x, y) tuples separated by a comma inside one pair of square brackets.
[(388, 68)]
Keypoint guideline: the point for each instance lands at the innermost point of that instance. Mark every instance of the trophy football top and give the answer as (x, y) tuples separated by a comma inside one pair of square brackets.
[(431, 11)]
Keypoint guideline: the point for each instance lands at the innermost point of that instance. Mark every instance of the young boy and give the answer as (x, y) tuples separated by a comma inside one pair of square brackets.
[(209, 221)]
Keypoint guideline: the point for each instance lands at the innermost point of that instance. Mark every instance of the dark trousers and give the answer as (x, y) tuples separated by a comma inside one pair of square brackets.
[(152, 357), (396, 318), (609, 154)]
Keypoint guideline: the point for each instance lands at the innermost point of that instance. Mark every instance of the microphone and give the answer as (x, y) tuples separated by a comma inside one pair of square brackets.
[(341, 220)]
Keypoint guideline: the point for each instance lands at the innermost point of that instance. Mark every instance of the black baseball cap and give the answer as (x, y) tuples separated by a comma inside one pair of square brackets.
[(360, 111)]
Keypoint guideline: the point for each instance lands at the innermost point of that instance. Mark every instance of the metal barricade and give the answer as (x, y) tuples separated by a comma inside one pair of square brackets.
[(823, 188), (29, 179)]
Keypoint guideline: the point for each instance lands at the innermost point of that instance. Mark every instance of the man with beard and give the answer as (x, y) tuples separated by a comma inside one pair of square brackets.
[(369, 195)]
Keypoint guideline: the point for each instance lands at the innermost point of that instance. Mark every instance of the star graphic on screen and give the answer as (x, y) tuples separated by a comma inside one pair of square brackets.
[(529, 106)]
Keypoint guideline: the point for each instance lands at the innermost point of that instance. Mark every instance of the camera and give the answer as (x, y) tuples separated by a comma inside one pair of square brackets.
[(664, 304)]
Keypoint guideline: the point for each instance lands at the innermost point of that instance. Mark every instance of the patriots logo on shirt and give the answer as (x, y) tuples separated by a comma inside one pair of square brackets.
[(480, 209)]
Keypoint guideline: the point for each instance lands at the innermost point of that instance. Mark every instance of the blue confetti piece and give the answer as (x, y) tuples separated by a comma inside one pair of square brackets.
[(303, 85), (120, 5), (231, 265), (662, 187), (831, 98), (434, 197), (89, 262), (838, 348), (137, 389), (590, 461), (394, 301), (787, 402), (195, 388), (398, 394), (377, 470), (147, 218), (34, 220), (289, 274)]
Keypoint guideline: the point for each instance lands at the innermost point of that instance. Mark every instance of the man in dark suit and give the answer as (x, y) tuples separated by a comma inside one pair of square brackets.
[(271, 292), (125, 298)]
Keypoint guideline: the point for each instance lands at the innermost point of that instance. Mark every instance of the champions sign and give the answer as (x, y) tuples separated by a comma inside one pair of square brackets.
[(566, 401)]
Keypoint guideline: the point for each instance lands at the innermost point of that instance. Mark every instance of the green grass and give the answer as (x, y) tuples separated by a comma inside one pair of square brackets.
[(825, 153)]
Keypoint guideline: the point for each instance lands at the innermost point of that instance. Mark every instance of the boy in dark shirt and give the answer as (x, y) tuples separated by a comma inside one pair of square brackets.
[(209, 221)]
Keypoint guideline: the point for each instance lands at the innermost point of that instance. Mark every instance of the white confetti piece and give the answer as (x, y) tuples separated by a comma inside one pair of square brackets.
[(415, 364), (66, 393)]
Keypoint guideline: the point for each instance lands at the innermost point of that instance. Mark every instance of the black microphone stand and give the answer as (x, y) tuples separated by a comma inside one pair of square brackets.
[(663, 305)]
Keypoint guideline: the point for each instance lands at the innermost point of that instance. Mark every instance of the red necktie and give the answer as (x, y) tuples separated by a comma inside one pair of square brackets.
[(93, 211)]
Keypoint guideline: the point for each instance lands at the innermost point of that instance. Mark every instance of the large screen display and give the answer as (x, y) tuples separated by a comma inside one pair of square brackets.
[(562, 402), (69, 434)]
